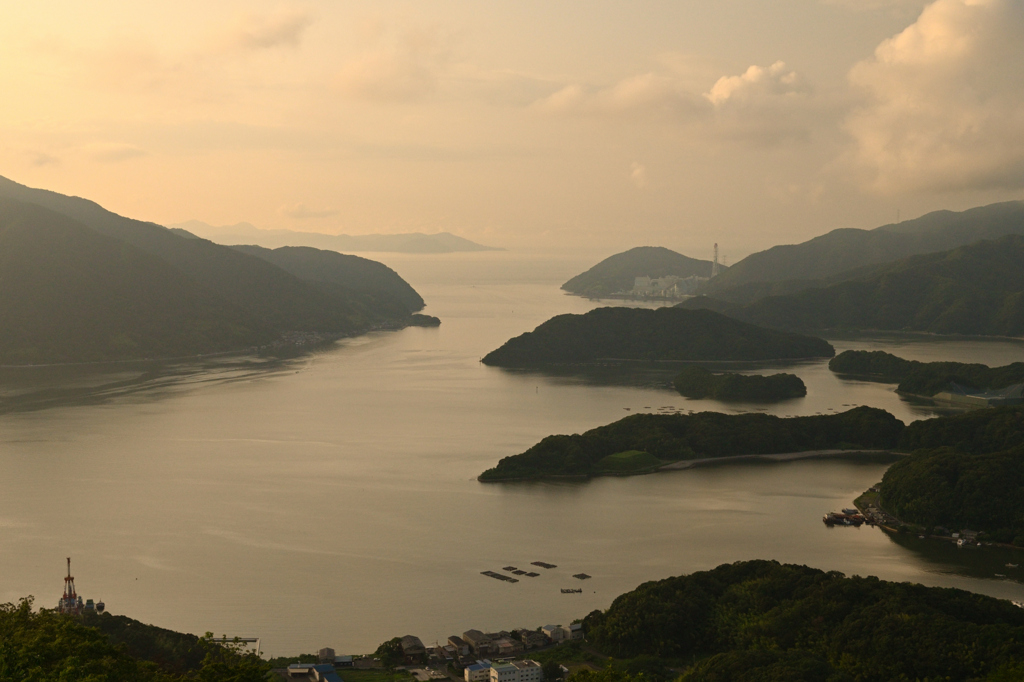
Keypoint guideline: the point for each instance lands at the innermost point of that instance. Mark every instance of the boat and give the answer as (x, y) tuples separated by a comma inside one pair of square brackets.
[(1012, 565), (570, 590)]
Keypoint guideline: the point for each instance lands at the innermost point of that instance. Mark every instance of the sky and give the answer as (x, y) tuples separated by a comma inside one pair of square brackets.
[(520, 123)]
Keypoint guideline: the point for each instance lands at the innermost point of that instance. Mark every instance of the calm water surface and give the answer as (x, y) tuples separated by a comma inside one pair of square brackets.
[(332, 501)]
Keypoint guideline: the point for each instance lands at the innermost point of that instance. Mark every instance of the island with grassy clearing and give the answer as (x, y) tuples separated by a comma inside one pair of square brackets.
[(698, 383), (642, 443)]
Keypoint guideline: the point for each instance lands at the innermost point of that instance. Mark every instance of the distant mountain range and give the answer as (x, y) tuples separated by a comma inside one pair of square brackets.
[(974, 289), (246, 233), (616, 274), (845, 249), (79, 283)]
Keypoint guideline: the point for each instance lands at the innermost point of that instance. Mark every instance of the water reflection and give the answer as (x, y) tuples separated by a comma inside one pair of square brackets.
[(1000, 563), (26, 389)]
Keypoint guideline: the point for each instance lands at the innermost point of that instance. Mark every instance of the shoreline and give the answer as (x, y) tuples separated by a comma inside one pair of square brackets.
[(685, 464)]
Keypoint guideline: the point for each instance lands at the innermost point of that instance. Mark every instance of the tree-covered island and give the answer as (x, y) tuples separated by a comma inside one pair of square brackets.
[(662, 335), (924, 378), (697, 382), (666, 438)]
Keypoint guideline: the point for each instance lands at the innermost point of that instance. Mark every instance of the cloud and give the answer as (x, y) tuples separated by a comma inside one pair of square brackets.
[(300, 211), (112, 152), (402, 66), (763, 105), (638, 174), (943, 107), (755, 82), (261, 32)]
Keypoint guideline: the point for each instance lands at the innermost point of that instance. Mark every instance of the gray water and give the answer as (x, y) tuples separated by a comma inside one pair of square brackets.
[(332, 500)]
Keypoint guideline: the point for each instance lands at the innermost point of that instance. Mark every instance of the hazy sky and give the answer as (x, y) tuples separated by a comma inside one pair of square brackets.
[(520, 123)]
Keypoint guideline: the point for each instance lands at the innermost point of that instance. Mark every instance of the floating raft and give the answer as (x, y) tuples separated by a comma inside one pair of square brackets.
[(578, 590), (518, 572), (581, 576), (542, 564), (510, 568), (531, 574), (499, 576)]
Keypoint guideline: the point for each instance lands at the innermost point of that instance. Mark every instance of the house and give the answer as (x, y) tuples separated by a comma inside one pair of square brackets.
[(343, 662), (326, 655), (532, 639), (478, 672), (480, 643), (461, 646), (576, 631), (556, 633), (412, 646), (300, 670), (529, 671), (507, 646)]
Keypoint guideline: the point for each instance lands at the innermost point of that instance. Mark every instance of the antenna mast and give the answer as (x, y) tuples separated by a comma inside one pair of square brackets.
[(714, 265)]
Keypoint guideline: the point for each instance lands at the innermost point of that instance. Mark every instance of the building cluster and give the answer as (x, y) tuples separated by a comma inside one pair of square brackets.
[(669, 286), (512, 671)]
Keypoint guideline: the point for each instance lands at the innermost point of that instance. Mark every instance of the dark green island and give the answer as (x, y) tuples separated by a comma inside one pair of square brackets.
[(643, 442), (662, 335), (697, 382), (951, 381)]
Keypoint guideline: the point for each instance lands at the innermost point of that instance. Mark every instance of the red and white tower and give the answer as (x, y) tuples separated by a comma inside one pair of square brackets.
[(70, 603)]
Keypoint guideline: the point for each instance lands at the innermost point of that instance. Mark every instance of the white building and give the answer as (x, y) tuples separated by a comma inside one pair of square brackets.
[(517, 671)]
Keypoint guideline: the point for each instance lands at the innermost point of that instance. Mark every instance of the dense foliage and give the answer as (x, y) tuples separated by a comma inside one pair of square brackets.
[(925, 378), (698, 382), (975, 432), (760, 620), (958, 490), (976, 289), (79, 283), (44, 645), (673, 437), (846, 248), (617, 273), (665, 334)]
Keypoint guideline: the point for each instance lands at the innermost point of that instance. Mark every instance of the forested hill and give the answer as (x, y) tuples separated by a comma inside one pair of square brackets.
[(351, 273), (617, 273), (762, 621), (975, 289), (848, 248), (665, 334), (675, 437), (83, 284), (925, 378)]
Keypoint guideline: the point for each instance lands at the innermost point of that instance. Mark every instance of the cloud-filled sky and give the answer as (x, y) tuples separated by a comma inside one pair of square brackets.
[(520, 123)]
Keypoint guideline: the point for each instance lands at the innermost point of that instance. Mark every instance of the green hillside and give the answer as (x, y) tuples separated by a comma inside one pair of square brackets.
[(925, 378), (274, 297), (68, 294), (847, 248), (351, 273), (674, 437), (665, 334), (975, 289), (616, 273), (759, 621)]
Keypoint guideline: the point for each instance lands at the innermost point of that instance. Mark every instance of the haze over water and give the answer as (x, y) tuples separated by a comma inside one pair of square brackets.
[(332, 501)]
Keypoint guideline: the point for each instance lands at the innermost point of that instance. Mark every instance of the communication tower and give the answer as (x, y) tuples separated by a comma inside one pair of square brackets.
[(70, 603), (714, 265)]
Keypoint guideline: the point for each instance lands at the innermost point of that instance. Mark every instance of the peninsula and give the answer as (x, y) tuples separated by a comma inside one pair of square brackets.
[(643, 272), (662, 335), (956, 382)]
